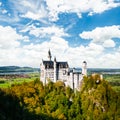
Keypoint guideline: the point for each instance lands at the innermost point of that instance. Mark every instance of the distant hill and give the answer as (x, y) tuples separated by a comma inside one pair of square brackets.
[(104, 70), (6, 69), (100, 70)]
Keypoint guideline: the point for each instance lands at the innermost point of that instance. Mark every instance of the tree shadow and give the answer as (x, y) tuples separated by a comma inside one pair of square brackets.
[(10, 109)]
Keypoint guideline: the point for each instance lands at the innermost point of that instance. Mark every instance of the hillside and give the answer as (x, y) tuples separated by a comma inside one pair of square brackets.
[(8, 69), (32, 101), (104, 70), (99, 100)]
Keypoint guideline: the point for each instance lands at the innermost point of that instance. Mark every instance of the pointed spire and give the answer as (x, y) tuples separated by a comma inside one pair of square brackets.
[(84, 68), (49, 55), (54, 59)]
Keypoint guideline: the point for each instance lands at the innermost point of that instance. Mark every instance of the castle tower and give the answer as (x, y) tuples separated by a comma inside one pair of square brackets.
[(84, 68), (55, 70), (42, 73), (49, 55)]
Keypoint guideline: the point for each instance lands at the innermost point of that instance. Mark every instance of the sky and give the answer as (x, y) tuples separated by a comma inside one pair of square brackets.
[(74, 31)]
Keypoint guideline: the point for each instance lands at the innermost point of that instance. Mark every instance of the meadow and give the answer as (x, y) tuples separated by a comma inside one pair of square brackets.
[(114, 80), (8, 80)]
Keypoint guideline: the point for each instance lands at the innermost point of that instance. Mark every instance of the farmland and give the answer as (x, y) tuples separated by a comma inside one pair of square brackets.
[(10, 75), (114, 80), (8, 80)]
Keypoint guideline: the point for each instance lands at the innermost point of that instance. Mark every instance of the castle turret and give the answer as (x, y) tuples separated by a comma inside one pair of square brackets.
[(84, 68), (55, 70), (49, 55)]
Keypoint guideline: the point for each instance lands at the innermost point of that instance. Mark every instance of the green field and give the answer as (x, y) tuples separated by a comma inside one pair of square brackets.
[(114, 80), (8, 80)]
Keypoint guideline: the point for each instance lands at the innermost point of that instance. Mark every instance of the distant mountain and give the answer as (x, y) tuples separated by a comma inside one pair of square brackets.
[(8, 69), (103, 70), (100, 70), (5, 69)]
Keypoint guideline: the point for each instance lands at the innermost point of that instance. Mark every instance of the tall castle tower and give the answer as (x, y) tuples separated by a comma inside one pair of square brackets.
[(49, 55), (84, 68), (55, 70)]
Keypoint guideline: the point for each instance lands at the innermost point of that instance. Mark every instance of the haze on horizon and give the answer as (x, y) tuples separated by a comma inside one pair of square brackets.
[(74, 31)]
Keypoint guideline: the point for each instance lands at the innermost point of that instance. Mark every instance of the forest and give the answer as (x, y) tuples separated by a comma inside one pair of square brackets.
[(32, 100)]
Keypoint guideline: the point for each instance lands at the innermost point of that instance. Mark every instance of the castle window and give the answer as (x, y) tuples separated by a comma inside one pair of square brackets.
[(64, 72), (61, 66), (48, 66)]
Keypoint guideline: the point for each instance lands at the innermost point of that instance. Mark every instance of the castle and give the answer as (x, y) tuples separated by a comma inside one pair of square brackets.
[(55, 71)]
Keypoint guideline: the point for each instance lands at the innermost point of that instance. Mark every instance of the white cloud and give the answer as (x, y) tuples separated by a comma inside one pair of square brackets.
[(78, 7), (50, 9), (13, 53), (109, 43), (93, 54), (35, 15), (4, 11), (32, 54), (110, 60), (25, 38), (102, 35), (0, 3), (42, 32), (30, 9), (8, 37)]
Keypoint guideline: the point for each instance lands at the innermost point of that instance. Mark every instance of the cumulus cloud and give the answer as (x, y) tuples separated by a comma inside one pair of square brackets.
[(9, 38), (43, 32), (4, 11), (32, 54), (12, 52), (94, 54), (78, 7), (35, 15), (0, 3), (30, 9), (50, 9), (102, 35), (109, 43)]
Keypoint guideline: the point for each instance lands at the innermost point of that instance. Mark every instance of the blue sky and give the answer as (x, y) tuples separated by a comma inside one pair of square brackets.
[(73, 30)]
